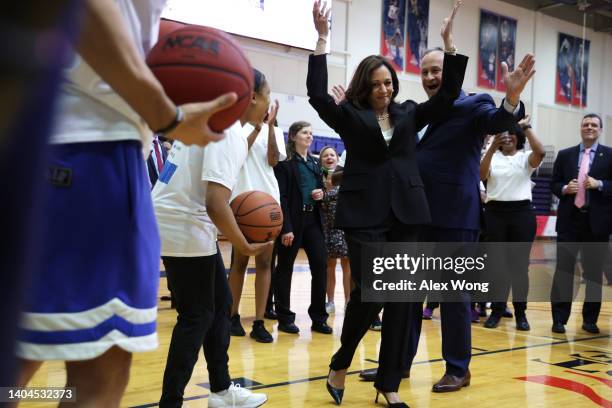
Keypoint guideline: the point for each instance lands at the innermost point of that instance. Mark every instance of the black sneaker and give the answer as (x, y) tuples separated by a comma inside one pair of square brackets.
[(288, 328), (321, 327), (271, 314), (259, 332), (236, 328)]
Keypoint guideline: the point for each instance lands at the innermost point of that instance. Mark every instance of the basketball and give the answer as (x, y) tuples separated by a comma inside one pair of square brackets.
[(197, 64), (258, 215)]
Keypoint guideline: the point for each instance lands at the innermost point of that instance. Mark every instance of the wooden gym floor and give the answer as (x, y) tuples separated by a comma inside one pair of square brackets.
[(509, 368)]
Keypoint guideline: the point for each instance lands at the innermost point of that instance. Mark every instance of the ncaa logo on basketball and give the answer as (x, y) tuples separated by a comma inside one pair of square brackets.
[(204, 44)]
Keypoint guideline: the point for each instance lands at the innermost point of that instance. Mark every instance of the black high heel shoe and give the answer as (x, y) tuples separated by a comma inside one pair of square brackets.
[(390, 404), (336, 393)]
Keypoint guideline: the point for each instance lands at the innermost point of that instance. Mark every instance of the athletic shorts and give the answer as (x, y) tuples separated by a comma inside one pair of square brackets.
[(96, 283)]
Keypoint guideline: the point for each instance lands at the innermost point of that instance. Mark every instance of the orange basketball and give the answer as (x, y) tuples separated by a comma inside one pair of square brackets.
[(258, 215)]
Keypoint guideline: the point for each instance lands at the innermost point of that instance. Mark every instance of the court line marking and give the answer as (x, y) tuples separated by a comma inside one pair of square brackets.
[(435, 360)]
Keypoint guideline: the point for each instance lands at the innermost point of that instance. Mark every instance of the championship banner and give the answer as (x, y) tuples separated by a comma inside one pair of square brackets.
[(565, 70), (393, 43), (487, 50), (418, 25), (507, 47), (581, 71)]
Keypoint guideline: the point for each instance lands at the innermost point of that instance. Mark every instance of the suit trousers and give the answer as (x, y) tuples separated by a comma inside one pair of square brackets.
[(455, 316), (359, 315), (513, 222), (203, 302), (310, 237), (592, 248)]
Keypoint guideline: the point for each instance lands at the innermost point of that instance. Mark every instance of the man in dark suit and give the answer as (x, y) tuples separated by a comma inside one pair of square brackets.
[(156, 160), (582, 179), (448, 155)]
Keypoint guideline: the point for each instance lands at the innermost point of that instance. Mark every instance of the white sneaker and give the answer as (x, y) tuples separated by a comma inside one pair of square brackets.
[(236, 396), (330, 307)]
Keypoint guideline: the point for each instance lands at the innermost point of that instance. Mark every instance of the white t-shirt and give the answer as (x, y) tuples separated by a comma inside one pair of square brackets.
[(179, 197), (89, 110), (257, 174), (509, 177)]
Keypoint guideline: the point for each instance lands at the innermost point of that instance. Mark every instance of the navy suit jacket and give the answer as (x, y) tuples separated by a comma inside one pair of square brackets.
[(600, 202), (448, 156)]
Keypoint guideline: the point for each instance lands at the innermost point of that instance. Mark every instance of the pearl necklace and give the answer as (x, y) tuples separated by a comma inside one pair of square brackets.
[(383, 117)]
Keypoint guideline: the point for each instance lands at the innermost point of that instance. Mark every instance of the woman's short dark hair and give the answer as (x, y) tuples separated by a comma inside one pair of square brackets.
[(293, 129), (520, 136), (259, 79), (360, 87)]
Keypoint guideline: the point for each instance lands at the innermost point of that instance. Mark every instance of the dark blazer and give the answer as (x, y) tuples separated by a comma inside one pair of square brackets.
[(289, 179), (449, 158), (379, 178), (599, 202), (151, 165)]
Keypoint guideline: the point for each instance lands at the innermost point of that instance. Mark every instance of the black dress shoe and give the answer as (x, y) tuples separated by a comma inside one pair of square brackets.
[(493, 321), (590, 327), (370, 375), (449, 383), (321, 327), (288, 328), (522, 324), (271, 314), (336, 393), (558, 327)]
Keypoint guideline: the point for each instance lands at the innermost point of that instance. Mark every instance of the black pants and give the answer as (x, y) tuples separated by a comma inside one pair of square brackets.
[(310, 237), (511, 221), (359, 315), (203, 302), (592, 248)]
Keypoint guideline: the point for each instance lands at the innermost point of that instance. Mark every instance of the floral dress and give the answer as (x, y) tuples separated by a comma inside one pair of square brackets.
[(334, 238)]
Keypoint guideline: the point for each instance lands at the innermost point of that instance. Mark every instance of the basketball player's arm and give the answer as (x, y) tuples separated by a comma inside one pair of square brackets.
[(217, 207), (273, 154), (108, 48)]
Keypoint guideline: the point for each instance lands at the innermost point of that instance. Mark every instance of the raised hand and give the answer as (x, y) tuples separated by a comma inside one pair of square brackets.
[(516, 80), (525, 121), (194, 128), (271, 117), (320, 16), (339, 94), (447, 27)]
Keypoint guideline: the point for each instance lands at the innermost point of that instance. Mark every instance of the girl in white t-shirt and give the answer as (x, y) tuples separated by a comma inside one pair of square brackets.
[(191, 200), (509, 217), (265, 145)]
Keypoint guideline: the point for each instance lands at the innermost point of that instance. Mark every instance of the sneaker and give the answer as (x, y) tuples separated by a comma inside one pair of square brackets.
[(507, 313), (427, 313), (236, 396), (330, 307), (271, 314), (236, 328), (376, 324), (259, 332)]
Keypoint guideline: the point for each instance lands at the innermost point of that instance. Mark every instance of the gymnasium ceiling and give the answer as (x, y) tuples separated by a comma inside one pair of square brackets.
[(598, 12)]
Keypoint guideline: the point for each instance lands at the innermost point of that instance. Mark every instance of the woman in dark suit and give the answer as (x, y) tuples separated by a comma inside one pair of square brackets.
[(381, 197), (300, 182)]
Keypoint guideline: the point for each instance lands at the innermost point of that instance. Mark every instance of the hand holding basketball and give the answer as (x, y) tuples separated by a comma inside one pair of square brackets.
[(195, 129), (258, 216)]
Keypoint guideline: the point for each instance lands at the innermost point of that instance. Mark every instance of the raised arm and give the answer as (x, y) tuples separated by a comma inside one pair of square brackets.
[(485, 164), (537, 148), (452, 78), (273, 154), (316, 81)]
